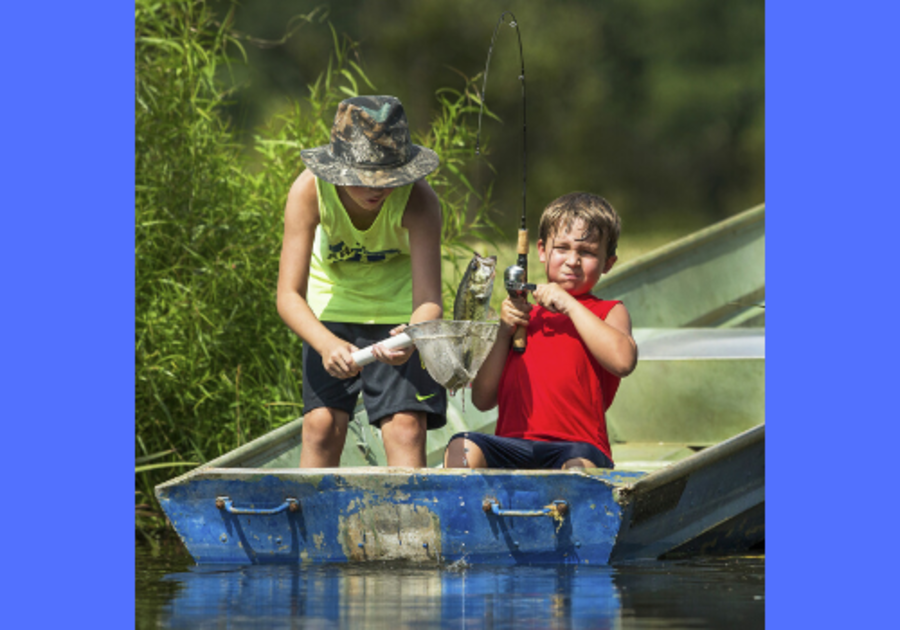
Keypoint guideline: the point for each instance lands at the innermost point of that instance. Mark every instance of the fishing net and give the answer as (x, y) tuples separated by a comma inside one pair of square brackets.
[(453, 351)]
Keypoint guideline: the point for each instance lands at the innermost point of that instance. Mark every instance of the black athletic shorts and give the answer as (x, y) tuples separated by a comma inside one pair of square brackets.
[(519, 453), (386, 389)]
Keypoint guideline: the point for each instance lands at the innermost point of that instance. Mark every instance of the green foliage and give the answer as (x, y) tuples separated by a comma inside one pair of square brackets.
[(466, 212), (658, 105), (205, 247), (215, 365)]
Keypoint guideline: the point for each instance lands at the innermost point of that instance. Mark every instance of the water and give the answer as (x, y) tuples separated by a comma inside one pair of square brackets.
[(173, 592)]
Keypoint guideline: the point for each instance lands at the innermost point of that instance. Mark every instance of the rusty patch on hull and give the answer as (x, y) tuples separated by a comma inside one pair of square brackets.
[(391, 531)]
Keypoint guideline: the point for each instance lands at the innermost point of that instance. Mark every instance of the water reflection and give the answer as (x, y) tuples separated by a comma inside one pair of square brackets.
[(392, 596), (172, 592)]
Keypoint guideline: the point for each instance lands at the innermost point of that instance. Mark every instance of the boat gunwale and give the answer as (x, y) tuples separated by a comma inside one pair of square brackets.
[(688, 465), (368, 472), (279, 438)]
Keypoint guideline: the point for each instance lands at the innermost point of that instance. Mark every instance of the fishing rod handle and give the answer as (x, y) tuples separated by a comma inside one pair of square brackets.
[(522, 243), (519, 341), (397, 342)]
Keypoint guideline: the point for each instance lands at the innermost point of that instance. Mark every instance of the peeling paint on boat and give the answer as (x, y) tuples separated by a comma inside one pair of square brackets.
[(391, 531)]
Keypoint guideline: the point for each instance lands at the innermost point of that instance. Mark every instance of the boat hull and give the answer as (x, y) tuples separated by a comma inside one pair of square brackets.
[(711, 502), (366, 514)]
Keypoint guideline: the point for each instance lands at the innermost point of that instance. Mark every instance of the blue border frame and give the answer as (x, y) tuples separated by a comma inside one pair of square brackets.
[(68, 314), (831, 133)]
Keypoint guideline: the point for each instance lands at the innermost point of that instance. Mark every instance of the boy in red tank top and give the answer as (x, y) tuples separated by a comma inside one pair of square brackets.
[(553, 397)]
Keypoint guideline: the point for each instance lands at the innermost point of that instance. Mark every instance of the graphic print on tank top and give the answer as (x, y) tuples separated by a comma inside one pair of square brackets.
[(341, 252)]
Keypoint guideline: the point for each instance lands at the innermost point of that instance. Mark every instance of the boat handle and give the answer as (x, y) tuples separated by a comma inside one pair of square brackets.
[(555, 509), (225, 503)]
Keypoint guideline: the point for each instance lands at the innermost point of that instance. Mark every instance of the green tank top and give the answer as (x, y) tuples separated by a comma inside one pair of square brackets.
[(360, 276)]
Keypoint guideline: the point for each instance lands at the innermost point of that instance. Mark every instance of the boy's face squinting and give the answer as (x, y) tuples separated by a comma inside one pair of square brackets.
[(368, 198), (574, 259)]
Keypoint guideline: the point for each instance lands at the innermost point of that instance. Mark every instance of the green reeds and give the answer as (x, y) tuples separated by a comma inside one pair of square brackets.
[(215, 365)]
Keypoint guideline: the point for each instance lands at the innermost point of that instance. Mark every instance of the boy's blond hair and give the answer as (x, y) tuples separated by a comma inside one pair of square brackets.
[(597, 213)]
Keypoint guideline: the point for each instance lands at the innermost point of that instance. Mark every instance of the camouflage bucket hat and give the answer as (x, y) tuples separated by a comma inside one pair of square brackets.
[(370, 146)]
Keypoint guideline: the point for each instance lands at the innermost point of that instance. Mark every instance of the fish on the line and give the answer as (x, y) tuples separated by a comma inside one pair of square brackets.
[(472, 307), (473, 297)]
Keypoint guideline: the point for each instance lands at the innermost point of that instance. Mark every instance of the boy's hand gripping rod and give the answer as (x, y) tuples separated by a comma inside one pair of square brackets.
[(517, 286)]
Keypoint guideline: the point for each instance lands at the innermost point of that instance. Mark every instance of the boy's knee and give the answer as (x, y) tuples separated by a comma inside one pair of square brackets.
[(454, 454), (320, 427), (463, 453), (578, 462), (324, 433), (404, 437), (405, 427)]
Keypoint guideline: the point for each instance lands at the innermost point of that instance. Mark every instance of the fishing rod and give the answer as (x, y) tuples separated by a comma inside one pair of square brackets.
[(516, 276)]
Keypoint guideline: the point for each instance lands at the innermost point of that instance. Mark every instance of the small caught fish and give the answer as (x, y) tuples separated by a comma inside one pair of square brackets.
[(473, 297), (472, 304)]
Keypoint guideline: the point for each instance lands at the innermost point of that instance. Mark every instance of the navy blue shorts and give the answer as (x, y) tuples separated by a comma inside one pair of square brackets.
[(386, 389), (507, 452)]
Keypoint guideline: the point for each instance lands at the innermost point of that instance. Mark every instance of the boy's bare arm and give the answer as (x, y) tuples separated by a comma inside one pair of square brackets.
[(609, 341), (423, 221), (513, 313), (301, 216)]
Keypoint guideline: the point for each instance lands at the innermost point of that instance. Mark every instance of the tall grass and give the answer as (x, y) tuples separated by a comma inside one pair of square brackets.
[(215, 365)]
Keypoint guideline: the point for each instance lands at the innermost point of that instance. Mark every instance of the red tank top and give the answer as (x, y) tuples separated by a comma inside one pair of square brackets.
[(556, 390)]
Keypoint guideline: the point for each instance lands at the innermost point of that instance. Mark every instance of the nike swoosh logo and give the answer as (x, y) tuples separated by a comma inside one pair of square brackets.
[(421, 398)]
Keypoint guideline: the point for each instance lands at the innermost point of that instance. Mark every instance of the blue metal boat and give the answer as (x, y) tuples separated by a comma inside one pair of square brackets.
[(687, 433), (254, 505)]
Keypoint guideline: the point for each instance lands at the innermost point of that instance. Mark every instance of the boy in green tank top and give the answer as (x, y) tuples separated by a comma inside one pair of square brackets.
[(361, 257)]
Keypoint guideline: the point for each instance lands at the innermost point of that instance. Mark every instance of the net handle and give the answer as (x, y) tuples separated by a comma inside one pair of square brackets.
[(399, 341)]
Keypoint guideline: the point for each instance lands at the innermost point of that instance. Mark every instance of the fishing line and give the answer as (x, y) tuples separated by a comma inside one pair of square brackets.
[(516, 276), (514, 24)]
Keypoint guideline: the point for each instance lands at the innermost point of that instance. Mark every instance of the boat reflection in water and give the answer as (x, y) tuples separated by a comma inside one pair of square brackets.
[(706, 592), (366, 596)]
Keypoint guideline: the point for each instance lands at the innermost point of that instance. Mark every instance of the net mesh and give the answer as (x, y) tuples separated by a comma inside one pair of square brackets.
[(452, 351)]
